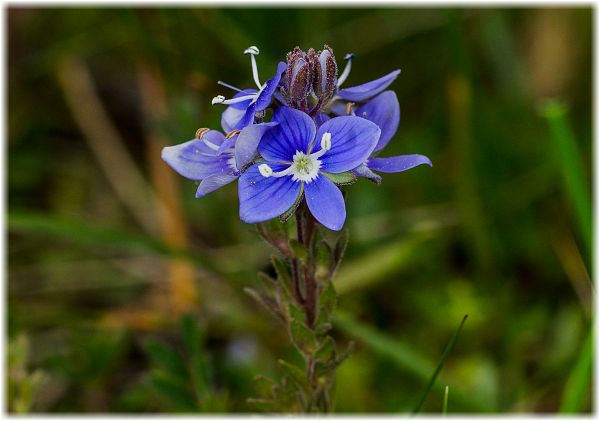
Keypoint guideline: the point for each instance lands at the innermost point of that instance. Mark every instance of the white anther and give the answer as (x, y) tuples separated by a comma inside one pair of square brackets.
[(326, 141), (265, 170), (346, 72), (219, 99), (252, 50)]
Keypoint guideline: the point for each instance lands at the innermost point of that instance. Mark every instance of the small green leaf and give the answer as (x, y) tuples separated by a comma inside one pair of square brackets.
[(323, 260), (298, 249), (296, 313), (303, 337), (349, 350), (326, 351), (327, 302), (322, 328), (283, 273), (341, 179), (295, 373), (340, 250)]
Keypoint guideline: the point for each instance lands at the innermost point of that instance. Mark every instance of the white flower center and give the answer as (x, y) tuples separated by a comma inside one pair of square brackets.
[(305, 167)]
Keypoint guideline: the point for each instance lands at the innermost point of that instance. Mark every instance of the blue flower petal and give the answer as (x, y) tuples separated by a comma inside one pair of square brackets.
[(234, 113), (338, 107), (364, 171), (212, 183), (397, 163), (295, 132), (194, 160), (263, 198), (352, 141), (247, 142), (369, 89), (383, 110), (321, 118), (264, 99), (326, 203)]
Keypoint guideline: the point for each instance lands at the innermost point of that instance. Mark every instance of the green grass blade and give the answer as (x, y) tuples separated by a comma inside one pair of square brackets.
[(447, 351), (568, 158), (397, 352), (577, 387), (445, 402), (79, 232)]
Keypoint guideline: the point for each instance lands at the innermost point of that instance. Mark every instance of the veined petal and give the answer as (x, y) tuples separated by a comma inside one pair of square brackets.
[(263, 198), (383, 110), (352, 141), (247, 142), (212, 183), (214, 136), (227, 144), (194, 160), (231, 117), (369, 89), (364, 171), (397, 163), (295, 132), (326, 203), (247, 118), (264, 98)]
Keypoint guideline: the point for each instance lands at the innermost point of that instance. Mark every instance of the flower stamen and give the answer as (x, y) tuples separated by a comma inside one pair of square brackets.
[(253, 51), (325, 146), (227, 85), (201, 132), (220, 99), (232, 133), (348, 58)]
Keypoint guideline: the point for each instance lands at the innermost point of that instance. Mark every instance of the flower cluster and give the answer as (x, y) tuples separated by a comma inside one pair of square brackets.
[(320, 136)]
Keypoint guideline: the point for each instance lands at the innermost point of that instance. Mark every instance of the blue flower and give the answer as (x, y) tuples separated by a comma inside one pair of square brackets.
[(384, 111), (213, 159), (248, 102), (298, 157), (365, 91)]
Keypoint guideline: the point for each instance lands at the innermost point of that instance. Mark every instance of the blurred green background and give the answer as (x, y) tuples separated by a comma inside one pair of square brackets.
[(108, 248)]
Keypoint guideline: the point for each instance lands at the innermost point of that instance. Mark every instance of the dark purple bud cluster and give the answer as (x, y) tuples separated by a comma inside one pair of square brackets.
[(310, 73), (325, 74)]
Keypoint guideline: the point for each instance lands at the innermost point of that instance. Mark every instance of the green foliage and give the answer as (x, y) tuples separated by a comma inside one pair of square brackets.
[(24, 384), (182, 379)]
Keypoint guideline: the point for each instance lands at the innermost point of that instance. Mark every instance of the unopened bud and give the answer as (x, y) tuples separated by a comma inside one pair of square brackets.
[(325, 74), (299, 75)]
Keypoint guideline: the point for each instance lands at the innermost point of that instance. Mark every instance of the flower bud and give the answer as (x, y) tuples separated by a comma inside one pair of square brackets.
[(324, 74), (299, 75)]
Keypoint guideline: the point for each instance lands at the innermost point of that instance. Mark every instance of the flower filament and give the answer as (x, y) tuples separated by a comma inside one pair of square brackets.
[(220, 99), (305, 166), (348, 58)]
